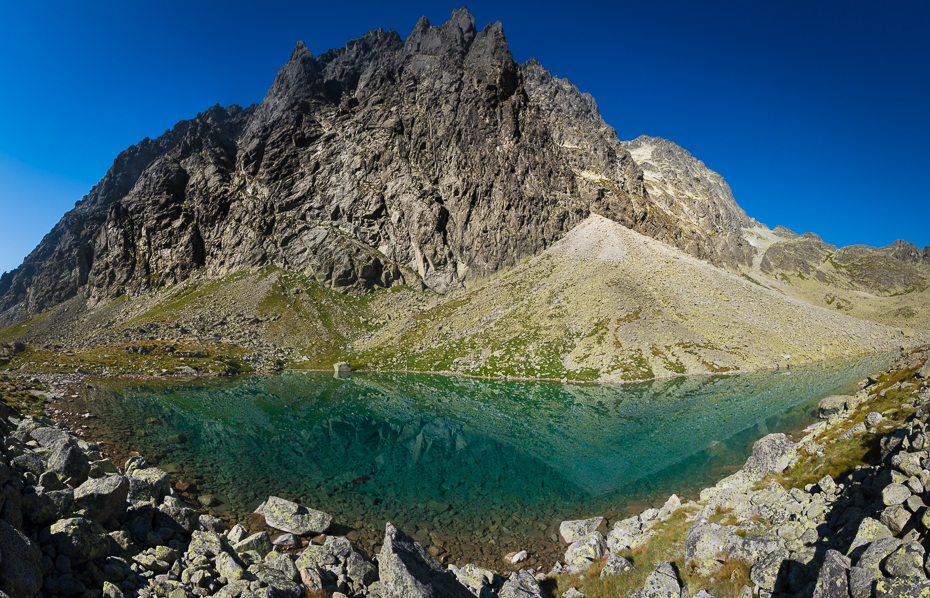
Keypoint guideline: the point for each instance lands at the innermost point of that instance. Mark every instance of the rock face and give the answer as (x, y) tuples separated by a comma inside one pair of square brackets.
[(427, 161)]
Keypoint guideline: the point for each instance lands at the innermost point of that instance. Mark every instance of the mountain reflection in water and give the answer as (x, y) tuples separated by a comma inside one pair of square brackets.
[(463, 453)]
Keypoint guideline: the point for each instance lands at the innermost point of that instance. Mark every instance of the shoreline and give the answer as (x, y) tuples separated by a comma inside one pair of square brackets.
[(456, 548), (772, 460)]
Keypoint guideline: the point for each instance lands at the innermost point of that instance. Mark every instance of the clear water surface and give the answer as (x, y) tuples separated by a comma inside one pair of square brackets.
[(480, 460)]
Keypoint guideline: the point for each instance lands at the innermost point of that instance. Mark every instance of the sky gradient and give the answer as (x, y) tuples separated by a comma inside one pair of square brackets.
[(815, 113)]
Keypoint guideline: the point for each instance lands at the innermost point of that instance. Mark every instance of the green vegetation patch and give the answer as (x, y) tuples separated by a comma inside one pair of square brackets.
[(138, 357)]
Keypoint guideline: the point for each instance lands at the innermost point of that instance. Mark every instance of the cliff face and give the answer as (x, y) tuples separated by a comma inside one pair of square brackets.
[(430, 161)]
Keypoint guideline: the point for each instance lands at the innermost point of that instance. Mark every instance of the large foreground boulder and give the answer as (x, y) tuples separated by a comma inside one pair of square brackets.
[(293, 518), (770, 454), (103, 498), (20, 563), (521, 585), (80, 539), (661, 583), (70, 463), (408, 571)]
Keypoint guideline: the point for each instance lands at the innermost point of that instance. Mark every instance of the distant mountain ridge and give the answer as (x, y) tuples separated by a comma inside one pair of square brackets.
[(434, 162)]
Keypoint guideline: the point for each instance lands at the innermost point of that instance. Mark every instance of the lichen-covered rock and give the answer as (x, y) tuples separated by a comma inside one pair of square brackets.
[(833, 581), (80, 539), (148, 484), (473, 577), (283, 563), (228, 567), (521, 585), (585, 551), (627, 534), (902, 588), (209, 523), (20, 562), (51, 438), (616, 565), (895, 518), (771, 571), (103, 498), (260, 543), (907, 561), (704, 545), (770, 454), (293, 518), (895, 494), (869, 531), (277, 581), (407, 570), (182, 520), (39, 509), (208, 544), (574, 530), (360, 570), (661, 583), (111, 591), (868, 568)]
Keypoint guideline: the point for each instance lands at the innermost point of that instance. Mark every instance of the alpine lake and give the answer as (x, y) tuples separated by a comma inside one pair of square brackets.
[(474, 468)]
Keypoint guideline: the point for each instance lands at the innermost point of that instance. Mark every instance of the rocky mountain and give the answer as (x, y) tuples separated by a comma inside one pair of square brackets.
[(430, 161), (436, 163)]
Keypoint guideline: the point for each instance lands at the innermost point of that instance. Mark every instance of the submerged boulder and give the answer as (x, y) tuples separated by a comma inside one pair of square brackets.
[(408, 571)]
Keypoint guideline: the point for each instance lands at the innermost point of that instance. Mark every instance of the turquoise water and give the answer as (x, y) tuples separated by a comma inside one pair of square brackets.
[(476, 459)]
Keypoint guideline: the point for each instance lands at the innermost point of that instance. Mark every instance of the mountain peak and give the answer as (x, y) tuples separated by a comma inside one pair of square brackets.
[(300, 51)]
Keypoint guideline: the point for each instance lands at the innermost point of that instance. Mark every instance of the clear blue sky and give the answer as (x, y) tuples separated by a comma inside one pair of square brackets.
[(816, 113)]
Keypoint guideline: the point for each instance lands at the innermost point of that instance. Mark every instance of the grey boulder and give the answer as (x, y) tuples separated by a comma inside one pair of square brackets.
[(661, 583), (770, 454), (409, 571), (20, 562), (103, 498), (521, 585), (70, 463), (293, 518), (80, 539)]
